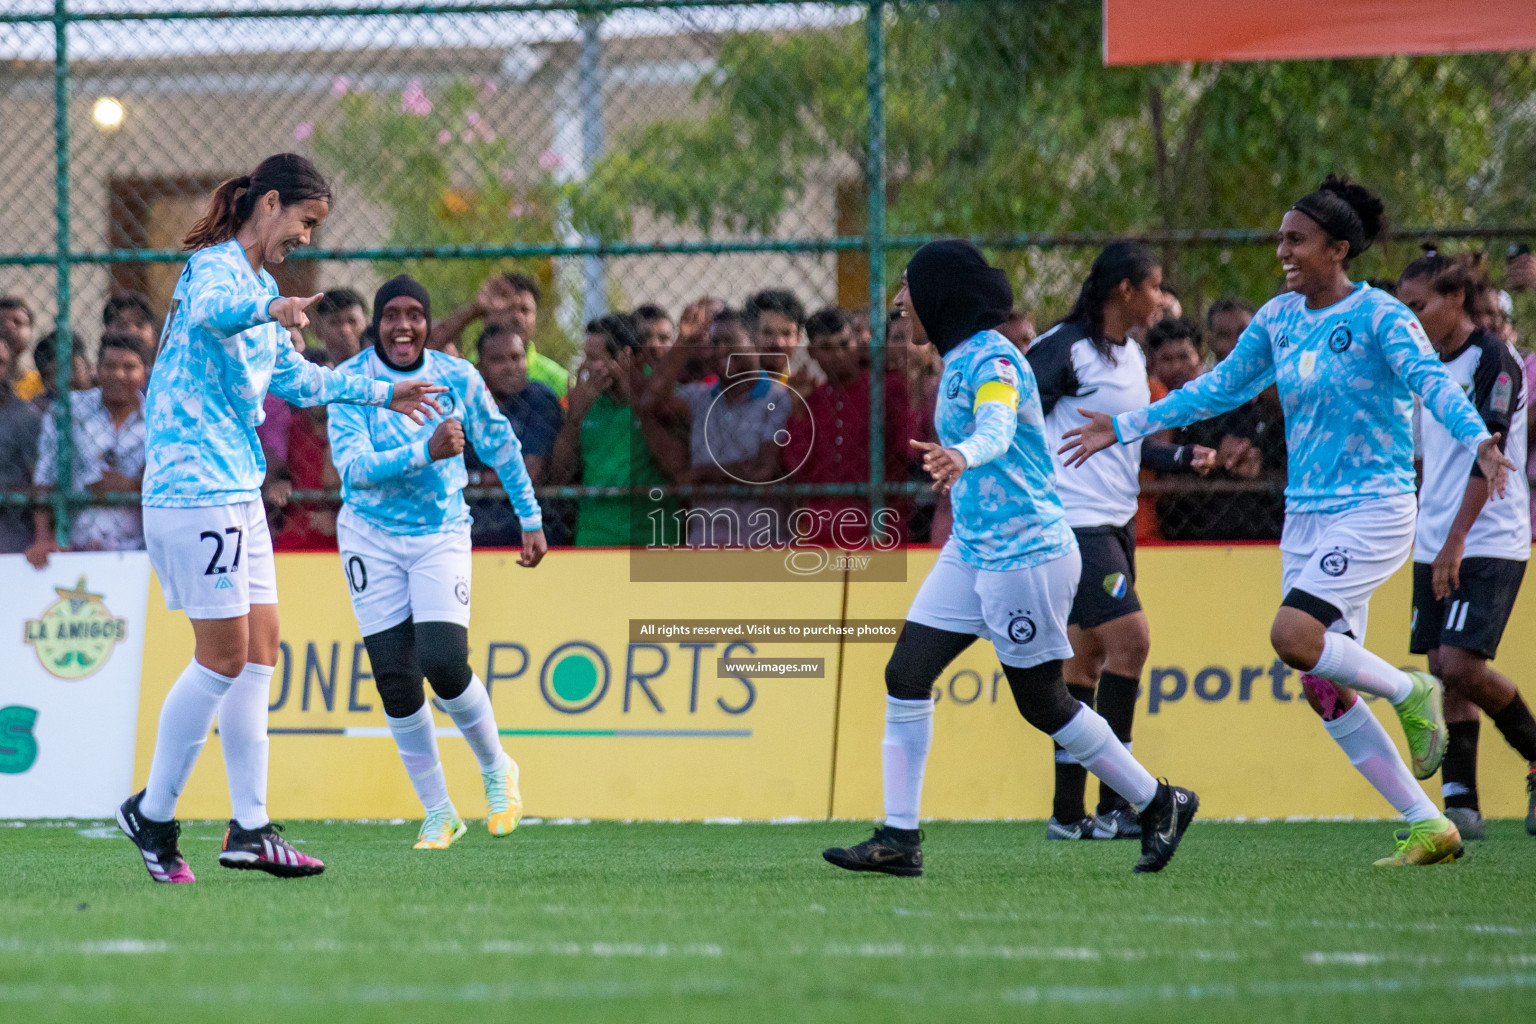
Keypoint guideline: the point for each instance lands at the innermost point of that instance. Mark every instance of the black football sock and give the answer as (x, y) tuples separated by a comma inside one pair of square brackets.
[(1458, 772), (1518, 727), (1117, 703)]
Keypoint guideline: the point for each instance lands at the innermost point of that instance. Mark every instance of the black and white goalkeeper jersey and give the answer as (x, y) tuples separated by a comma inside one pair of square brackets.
[(1488, 370), (1072, 375)]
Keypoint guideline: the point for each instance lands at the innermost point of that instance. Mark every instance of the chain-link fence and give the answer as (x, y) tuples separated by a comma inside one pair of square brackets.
[(614, 156)]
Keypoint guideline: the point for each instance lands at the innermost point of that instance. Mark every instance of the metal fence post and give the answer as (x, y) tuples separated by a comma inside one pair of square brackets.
[(875, 241), (63, 369)]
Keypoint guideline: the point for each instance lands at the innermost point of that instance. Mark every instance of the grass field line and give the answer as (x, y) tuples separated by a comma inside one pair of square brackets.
[(627, 948), (487, 992), (1037, 917)]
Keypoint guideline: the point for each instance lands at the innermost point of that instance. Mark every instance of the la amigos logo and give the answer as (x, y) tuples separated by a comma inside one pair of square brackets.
[(75, 636)]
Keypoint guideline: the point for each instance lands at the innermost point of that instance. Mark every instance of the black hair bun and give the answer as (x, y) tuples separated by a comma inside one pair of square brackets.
[(1367, 205)]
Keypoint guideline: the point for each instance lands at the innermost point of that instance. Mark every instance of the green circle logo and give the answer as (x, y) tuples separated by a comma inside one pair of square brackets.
[(76, 634), (574, 677)]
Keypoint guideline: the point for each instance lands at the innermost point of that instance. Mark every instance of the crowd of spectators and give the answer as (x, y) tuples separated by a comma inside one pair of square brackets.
[(687, 430)]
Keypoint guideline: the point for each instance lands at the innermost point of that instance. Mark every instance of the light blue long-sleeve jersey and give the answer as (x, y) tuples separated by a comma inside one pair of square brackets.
[(1007, 514), (388, 478), (219, 355), (1347, 375)]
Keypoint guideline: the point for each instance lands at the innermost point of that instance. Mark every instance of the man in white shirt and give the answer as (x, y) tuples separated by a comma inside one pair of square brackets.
[(107, 427)]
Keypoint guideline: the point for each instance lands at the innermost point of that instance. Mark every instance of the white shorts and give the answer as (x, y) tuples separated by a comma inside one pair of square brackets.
[(393, 577), (1343, 557), (214, 562), (1022, 611)]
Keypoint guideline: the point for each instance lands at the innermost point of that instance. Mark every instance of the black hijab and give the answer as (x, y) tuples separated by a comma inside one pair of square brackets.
[(394, 288), (955, 292)]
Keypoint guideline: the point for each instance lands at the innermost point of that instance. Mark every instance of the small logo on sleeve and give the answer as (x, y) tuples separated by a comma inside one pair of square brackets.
[(1340, 339), (1503, 393), (1007, 373), (1334, 563), (952, 388), (1420, 339)]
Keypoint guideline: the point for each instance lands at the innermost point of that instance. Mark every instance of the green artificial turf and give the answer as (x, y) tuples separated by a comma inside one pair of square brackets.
[(692, 922)]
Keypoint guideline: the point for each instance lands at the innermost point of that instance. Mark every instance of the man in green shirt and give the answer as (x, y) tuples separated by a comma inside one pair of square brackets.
[(510, 300), (607, 442)]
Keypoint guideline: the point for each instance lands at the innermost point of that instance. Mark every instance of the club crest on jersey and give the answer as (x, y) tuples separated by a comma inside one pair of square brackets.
[(1021, 628), (1334, 563), (446, 402), (1283, 342), (1007, 373), (1340, 339), (1115, 585), (952, 388), (461, 591)]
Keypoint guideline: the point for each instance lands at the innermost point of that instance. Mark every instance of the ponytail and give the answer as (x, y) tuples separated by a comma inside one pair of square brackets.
[(1466, 272), (291, 176), (224, 216)]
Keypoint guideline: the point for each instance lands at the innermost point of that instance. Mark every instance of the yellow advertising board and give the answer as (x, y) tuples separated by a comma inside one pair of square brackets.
[(601, 727), (1217, 712), (606, 725)]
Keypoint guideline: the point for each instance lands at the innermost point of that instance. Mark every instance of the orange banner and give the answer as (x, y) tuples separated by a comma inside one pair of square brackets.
[(1163, 31)]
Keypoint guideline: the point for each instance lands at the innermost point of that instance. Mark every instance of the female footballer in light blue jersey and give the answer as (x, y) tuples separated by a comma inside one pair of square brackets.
[(226, 343), (1348, 360), (1008, 572), (403, 532)]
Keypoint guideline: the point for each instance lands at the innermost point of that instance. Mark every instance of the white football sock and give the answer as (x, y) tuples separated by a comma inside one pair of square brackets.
[(416, 739), (1092, 743), (1345, 661), (243, 735), (185, 718), (1371, 751), (471, 712), (904, 757)]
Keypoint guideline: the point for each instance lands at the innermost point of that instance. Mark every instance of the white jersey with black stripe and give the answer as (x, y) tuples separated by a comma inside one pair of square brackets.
[(1488, 370), (1073, 374)]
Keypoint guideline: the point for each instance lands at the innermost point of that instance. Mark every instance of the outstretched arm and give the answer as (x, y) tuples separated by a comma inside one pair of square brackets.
[(301, 382), (1247, 370), (1408, 352)]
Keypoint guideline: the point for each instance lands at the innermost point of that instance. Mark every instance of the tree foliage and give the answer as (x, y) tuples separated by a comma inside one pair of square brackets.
[(1001, 119)]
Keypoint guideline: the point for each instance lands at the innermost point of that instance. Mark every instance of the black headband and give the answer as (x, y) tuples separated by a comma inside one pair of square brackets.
[(1335, 216)]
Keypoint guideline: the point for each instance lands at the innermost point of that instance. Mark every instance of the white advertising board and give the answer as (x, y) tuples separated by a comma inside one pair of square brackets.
[(71, 650)]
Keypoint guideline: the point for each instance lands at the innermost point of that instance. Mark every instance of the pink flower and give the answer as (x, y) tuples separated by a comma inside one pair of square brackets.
[(484, 86), (414, 101), (467, 136), (341, 86), (516, 210), (506, 174), (549, 160), (444, 137), (472, 117), (486, 132), (303, 130)]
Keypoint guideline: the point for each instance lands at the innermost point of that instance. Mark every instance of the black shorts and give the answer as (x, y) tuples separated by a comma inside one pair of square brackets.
[(1473, 617), (1107, 588)]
